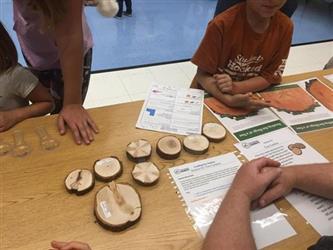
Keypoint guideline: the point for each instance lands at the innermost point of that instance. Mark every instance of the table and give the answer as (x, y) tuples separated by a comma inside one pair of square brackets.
[(35, 207)]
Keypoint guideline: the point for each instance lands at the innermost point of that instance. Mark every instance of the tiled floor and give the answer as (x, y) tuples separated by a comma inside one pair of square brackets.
[(131, 85), (169, 30)]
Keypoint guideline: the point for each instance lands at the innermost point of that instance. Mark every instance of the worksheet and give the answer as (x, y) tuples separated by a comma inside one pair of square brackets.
[(281, 145), (329, 77), (289, 149), (304, 106), (316, 210), (172, 110), (243, 123), (203, 185)]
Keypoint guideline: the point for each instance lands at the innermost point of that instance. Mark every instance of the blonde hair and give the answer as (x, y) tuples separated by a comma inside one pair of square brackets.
[(52, 11)]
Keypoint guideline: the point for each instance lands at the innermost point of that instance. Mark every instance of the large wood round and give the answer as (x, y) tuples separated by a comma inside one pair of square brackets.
[(169, 147), (214, 132), (146, 173), (108, 169), (117, 206), (196, 144), (79, 181), (139, 151)]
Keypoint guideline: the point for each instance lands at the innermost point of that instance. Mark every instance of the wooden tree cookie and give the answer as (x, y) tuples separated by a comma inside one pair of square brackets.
[(214, 132), (139, 151), (169, 147), (108, 169), (117, 206), (146, 173), (196, 144), (79, 181)]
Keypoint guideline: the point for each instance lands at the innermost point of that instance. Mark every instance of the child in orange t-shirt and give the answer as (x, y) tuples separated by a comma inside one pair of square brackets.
[(244, 50)]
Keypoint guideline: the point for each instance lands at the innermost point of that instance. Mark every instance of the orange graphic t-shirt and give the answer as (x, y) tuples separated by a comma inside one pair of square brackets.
[(230, 45)]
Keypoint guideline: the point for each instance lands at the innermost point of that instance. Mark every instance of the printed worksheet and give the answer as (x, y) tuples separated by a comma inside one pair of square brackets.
[(172, 110), (244, 123), (281, 145), (203, 185), (289, 149), (303, 106)]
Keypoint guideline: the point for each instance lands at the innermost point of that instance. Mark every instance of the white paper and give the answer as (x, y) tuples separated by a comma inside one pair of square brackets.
[(275, 145), (203, 185), (329, 77), (243, 127), (314, 118), (316, 210), (172, 110)]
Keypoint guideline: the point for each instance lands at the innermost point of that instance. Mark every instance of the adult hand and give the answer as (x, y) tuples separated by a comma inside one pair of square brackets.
[(72, 245), (252, 181), (7, 120), (224, 83), (280, 187), (79, 122)]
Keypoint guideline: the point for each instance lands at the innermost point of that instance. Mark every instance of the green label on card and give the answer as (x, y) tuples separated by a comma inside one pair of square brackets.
[(259, 130), (311, 126)]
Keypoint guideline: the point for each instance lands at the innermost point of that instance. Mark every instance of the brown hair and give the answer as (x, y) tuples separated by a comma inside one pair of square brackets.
[(52, 11), (8, 53)]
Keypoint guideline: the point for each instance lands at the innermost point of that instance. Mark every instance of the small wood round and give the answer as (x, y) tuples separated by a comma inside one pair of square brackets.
[(108, 169), (139, 151), (146, 173), (214, 132), (117, 206), (169, 147), (196, 144), (79, 181)]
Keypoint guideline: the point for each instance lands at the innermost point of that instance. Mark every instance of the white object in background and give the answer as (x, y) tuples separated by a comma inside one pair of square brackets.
[(330, 78), (107, 8), (203, 185)]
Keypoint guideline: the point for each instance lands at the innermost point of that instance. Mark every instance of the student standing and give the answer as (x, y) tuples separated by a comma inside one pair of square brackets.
[(57, 44), (244, 50), (128, 11)]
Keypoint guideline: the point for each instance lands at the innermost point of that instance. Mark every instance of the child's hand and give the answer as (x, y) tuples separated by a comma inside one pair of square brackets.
[(245, 101), (224, 83), (7, 120), (72, 245)]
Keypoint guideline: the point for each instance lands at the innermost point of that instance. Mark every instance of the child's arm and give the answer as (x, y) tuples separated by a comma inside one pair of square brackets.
[(42, 104), (209, 84)]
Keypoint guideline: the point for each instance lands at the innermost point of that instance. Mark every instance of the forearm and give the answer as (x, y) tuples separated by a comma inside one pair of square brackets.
[(254, 84), (34, 110), (315, 179), (231, 227), (208, 83)]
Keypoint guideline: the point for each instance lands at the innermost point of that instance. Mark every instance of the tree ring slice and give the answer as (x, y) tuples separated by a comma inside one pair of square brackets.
[(108, 169), (214, 132), (196, 144), (169, 147), (139, 151), (79, 181), (146, 173)]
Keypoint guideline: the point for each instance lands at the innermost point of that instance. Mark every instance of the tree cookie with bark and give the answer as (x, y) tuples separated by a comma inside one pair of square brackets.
[(117, 206), (108, 169), (196, 144), (169, 147), (139, 151), (79, 181), (146, 173), (214, 132)]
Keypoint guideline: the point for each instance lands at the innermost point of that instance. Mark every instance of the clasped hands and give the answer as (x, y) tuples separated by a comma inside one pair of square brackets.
[(234, 99)]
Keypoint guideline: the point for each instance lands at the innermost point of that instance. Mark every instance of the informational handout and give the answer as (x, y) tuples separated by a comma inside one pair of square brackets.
[(329, 77), (281, 145), (244, 123), (316, 210), (203, 185), (172, 110), (289, 149), (298, 107)]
